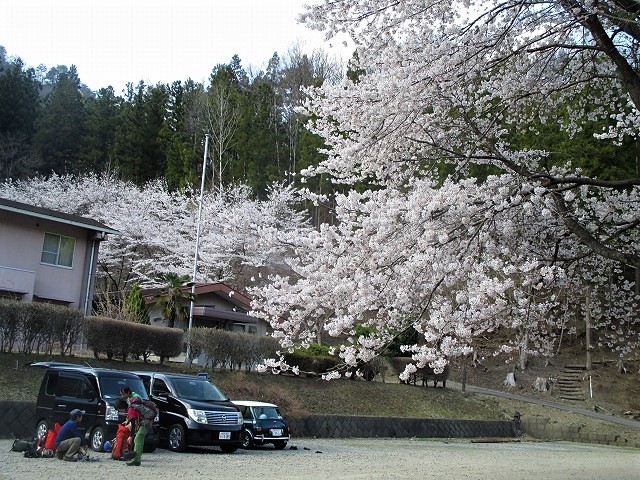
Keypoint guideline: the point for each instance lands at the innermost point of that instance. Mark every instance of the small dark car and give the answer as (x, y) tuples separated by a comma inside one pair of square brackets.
[(67, 386), (263, 424), (193, 411)]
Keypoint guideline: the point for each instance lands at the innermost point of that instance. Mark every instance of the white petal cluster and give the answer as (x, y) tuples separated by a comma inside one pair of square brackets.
[(434, 246), (158, 227)]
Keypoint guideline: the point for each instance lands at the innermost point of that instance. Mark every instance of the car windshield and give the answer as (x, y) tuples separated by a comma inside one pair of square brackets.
[(110, 387), (266, 412), (199, 390)]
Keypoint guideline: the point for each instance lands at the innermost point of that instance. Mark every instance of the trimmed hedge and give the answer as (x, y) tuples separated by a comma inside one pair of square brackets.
[(30, 327), (229, 349), (119, 338), (38, 327)]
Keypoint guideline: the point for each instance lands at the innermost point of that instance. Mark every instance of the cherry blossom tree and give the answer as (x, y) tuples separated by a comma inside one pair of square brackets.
[(158, 227), (466, 228)]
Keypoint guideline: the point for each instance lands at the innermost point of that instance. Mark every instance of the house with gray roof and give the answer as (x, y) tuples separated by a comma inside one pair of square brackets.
[(217, 305), (48, 256)]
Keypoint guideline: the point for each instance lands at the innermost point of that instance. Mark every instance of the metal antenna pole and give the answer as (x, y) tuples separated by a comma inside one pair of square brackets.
[(195, 260)]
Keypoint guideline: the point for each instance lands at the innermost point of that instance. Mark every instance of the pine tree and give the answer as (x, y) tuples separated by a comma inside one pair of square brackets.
[(140, 140), (102, 123), (60, 127), (19, 100)]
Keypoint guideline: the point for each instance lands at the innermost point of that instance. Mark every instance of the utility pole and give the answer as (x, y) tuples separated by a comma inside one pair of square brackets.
[(195, 260)]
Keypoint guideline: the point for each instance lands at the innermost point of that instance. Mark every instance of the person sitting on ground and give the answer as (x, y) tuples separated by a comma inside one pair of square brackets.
[(70, 439), (135, 421)]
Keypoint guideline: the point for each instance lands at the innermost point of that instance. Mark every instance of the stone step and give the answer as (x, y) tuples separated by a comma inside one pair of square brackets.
[(570, 374), (571, 392), (569, 380), (574, 367), (573, 398)]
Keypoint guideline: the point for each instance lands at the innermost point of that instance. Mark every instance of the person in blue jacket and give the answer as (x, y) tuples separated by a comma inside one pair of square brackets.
[(70, 439)]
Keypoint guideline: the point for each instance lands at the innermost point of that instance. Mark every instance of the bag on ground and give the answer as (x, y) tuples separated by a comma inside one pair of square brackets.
[(22, 445), (120, 442), (29, 448)]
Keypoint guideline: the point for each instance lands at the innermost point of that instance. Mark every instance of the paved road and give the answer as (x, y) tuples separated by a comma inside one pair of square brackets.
[(547, 403)]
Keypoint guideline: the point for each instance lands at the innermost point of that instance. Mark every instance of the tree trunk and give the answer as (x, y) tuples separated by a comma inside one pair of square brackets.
[(510, 381), (464, 373), (541, 384), (523, 359)]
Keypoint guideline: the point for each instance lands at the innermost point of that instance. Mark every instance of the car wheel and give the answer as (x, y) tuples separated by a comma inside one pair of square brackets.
[(42, 429), (177, 438), (279, 445), (96, 441), (247, 439), (228, 448)]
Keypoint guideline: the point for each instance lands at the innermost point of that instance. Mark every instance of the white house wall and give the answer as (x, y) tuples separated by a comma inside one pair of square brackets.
[(21, 240)]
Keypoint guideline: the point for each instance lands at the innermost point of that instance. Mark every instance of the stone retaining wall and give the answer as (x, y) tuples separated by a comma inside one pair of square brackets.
[(345, 426), (542, 428), (17, 420)]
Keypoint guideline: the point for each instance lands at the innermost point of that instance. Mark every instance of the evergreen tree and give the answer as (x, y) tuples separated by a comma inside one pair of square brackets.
[(60, 126), (19, 98), (19, 103), (102, 123), (140, 140), (239, 72), (135, 306), (259, 140), (180, 171)]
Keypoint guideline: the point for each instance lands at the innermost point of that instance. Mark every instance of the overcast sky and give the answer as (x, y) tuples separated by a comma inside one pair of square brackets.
[(118, 41)]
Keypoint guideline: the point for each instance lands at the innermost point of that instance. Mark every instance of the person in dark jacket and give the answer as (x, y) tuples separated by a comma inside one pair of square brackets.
[(70, 439)]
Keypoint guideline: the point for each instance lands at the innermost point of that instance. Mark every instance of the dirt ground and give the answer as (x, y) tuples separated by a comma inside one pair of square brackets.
[(605, 389), (320, 459)]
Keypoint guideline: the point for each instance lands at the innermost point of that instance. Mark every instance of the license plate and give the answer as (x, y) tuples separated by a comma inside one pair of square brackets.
[(276, 432), (225, 436)]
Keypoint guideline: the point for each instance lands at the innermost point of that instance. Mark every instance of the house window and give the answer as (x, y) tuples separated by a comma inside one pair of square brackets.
[(58, 250)]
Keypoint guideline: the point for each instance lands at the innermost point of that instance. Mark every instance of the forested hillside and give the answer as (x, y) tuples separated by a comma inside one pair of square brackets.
[(51, 123)]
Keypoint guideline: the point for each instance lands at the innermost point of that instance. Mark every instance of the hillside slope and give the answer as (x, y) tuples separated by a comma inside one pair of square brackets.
[(612, 392)]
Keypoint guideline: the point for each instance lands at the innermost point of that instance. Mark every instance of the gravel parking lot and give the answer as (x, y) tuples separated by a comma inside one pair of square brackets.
[(351, 459)]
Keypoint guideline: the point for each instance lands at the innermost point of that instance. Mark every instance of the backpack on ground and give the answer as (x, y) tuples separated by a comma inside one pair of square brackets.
[(29, 448), (147, 408), (22, 445)]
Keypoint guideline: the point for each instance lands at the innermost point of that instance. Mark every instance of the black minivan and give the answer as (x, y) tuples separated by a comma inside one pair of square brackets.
[(69, 386), (193, 411)]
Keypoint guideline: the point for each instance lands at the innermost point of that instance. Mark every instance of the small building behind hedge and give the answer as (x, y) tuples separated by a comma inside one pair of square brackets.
[(48, 256), (217, 305)]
